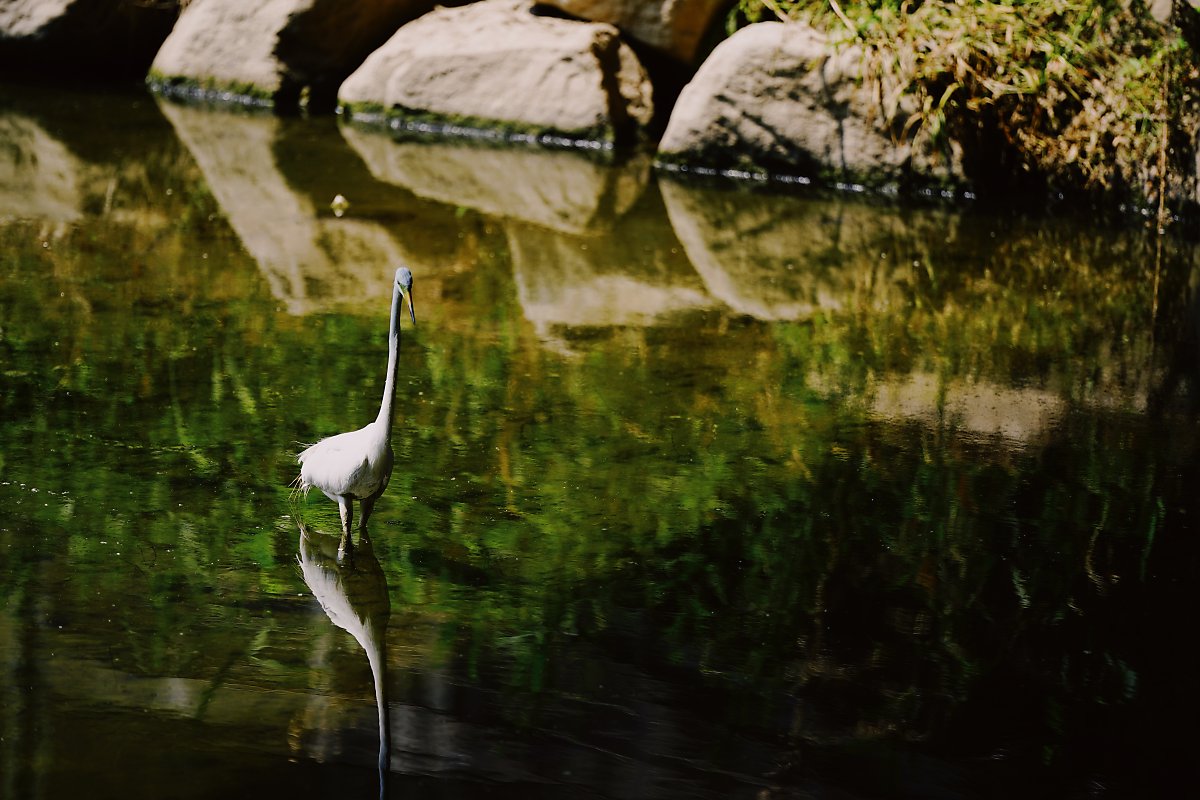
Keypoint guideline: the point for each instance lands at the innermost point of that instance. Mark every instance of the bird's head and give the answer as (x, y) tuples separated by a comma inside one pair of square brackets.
[(404, 282)]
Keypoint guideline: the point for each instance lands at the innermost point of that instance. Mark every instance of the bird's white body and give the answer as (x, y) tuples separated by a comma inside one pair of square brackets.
[(357, 465)]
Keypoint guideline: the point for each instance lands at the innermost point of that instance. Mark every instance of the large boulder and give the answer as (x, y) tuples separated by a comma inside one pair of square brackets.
[(498, 65), (278, 52), (85, 39), (782, 99), (675, 27)]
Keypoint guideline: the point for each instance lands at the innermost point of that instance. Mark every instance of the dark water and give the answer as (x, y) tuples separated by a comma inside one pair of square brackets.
[(700, 493)]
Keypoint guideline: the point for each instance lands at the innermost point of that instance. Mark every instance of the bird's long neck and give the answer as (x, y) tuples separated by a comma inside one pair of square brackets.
[(386, 408)]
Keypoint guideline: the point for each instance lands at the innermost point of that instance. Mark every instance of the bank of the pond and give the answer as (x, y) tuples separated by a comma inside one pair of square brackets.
[(1057, 97)]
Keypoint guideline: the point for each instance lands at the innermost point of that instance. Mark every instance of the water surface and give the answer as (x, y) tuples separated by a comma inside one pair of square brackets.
[(700, 492)]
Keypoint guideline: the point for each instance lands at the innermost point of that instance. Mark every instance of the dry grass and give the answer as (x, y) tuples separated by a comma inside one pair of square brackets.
[(1078, 93)]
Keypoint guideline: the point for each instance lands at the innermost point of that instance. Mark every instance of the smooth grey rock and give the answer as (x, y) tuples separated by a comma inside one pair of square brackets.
[(275, 50), (495, 63), (781, 98)]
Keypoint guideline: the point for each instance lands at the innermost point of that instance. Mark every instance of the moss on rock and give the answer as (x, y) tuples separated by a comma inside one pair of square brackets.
[(235, 94)]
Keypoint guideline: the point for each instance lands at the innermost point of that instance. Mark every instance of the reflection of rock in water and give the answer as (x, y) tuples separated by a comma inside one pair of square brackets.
[(775, 257), (316, 161), (1016, 414), (555, 189), (39, 178), (309, 261), (636, 276), (354, 595)]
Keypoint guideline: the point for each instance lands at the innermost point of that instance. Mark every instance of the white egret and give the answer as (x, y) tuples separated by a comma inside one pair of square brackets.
[(357, 465)]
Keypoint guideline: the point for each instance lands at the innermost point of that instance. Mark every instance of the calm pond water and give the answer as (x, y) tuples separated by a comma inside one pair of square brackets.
[(700, 492)]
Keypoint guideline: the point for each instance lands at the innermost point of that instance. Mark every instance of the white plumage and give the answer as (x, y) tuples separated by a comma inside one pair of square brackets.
[(357, 465)]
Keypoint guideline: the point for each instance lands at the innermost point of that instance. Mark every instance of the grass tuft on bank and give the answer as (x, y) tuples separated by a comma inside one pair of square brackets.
[(1064, 93)]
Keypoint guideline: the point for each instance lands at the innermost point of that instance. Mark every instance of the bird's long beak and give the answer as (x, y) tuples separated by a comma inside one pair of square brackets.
[(411, 313)]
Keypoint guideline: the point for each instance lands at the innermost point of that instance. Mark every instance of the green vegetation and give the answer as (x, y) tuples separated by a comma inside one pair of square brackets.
[(210, 90), (1073, 93)]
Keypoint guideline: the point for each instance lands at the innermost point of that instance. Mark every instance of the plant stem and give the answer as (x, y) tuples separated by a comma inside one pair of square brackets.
[(841, 15), (1162, 147), (777, 11)]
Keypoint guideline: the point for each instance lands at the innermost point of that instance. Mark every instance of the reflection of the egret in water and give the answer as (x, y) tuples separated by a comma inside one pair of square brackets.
[(353, 593)]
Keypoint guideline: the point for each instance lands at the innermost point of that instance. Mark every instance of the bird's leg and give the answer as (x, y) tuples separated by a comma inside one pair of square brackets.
[(368, 505)]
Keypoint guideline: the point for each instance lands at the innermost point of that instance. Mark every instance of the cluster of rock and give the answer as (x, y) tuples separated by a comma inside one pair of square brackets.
[(771, 98)]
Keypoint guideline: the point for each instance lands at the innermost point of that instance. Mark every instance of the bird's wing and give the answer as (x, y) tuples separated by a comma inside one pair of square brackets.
[(340, 465), (332, 465)]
